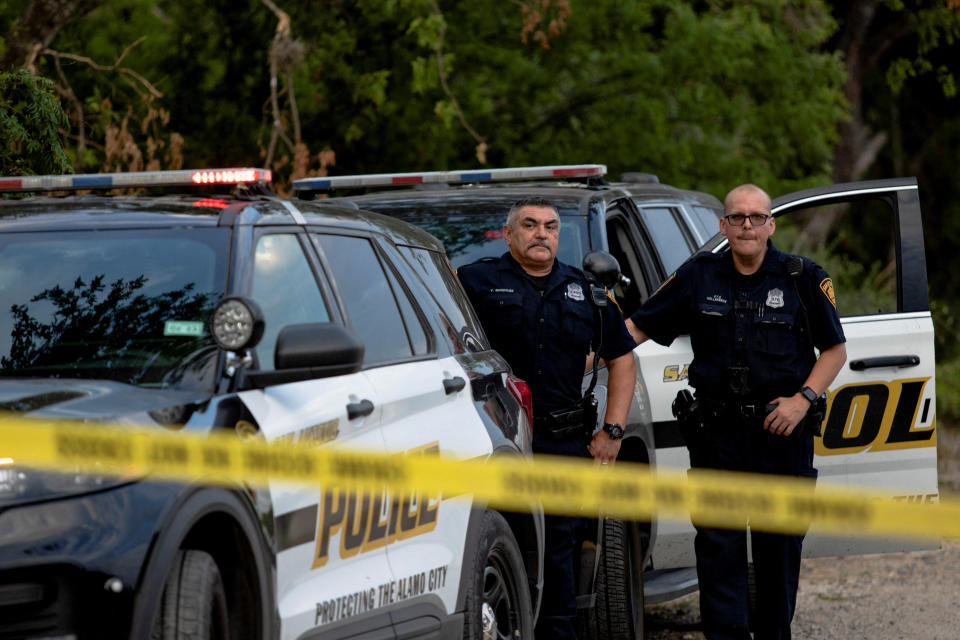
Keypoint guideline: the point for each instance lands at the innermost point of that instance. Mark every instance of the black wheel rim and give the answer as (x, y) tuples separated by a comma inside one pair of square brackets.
[(500, 595)]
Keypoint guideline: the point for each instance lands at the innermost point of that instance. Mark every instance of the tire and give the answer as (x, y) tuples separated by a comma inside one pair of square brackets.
[(497, 595), (194, 602), (618, 610)]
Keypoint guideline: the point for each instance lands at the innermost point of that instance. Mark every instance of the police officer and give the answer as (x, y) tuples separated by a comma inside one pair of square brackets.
[(540, 315), (754, 316)]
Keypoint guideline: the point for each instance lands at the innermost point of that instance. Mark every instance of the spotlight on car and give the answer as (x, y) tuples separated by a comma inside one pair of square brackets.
[(237, 324)]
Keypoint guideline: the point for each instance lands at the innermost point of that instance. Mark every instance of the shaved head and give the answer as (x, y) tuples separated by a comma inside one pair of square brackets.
[(744, 189)]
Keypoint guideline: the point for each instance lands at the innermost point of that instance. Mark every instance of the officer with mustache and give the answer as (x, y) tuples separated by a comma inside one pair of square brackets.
[(754, 316), (539, 314)]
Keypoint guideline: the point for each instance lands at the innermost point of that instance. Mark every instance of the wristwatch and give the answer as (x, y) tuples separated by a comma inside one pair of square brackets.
[(614, 430), (810, 395)]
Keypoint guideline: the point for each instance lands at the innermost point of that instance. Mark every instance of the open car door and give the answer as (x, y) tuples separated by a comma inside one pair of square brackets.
[(880, 428)]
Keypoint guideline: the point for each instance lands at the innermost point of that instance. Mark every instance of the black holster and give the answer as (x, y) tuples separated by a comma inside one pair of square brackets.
[(576, 421), (813, 421), (689, 416)]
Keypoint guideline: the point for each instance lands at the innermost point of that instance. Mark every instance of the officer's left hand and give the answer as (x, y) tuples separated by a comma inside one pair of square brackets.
[(788, 414), (603, 448)]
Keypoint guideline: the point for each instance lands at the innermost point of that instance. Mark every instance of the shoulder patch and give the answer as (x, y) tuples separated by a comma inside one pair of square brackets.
[(826, 286)]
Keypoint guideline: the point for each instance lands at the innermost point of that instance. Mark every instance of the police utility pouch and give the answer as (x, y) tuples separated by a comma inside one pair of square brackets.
[(576, 421)]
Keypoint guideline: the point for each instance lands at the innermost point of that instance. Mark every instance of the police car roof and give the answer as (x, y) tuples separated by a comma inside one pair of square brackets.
[(44, 213)]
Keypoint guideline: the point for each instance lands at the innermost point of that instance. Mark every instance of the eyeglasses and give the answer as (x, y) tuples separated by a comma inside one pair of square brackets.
[(756, 219)]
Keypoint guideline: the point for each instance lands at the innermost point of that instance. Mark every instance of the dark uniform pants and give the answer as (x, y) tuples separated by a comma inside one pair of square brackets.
[(559, 607), (722, 553)]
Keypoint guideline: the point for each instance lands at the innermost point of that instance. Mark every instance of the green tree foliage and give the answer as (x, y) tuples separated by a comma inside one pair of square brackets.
[(703, 94), (30, 122)]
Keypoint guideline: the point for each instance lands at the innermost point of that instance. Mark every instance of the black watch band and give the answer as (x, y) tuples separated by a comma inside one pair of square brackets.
[(809, 394), (614, 430)]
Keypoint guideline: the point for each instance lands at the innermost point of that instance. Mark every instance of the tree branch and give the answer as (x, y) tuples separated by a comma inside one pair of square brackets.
[(480, 140), (68, 92), (115, 68)]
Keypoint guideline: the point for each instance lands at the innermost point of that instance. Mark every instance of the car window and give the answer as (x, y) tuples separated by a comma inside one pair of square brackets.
[(855, 244), (706, 221), (126, 306), (411, 318), (285, 288), (438, 278), (632, 292), (667, 236), (473, 229), (370, 301)]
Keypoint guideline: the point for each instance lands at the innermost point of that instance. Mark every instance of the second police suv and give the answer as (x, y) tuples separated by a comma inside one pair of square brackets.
[(880, 429)]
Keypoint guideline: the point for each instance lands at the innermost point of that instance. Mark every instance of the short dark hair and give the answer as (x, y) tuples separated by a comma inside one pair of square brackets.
[(530, 201)]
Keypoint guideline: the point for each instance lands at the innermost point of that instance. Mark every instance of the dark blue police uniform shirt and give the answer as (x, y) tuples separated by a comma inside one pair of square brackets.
[(547, 337), (736, 320)]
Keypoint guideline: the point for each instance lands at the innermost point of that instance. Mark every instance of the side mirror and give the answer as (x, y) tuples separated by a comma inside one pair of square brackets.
[(318, 344), (308, 352), (602, 266)]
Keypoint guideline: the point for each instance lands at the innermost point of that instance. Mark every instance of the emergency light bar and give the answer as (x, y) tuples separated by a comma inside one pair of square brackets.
[(450, 177), (134, 179)]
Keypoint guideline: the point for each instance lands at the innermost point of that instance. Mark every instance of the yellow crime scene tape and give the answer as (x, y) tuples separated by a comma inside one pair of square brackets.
[(560, 485)]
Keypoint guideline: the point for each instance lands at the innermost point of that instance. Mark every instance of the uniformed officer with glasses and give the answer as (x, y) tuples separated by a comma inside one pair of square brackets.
[(755, 317)]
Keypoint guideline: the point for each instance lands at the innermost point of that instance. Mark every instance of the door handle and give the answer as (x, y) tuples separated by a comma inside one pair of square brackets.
[(452, 385), (359, 409), (884, 361)]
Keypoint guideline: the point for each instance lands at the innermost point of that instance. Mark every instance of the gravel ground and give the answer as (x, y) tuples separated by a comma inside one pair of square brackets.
[(873, 597)]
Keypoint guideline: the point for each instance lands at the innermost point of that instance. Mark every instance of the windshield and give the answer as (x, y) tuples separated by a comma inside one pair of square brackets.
[(472, 229), (122, 305)]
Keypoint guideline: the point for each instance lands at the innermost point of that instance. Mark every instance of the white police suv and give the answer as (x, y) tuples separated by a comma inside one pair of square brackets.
[(880, 429), (213, 305)]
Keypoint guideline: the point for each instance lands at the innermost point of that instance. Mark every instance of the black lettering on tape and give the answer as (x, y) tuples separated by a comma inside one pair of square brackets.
[(173, 453), (541, 486), (93, 447), (668, 496), (734, 500), (357, 468), (284, 463), (215, 457), (852, 511), (620, 490)]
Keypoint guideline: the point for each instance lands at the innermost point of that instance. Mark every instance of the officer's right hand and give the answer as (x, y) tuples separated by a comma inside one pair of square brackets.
[(603, 448), (787, 414)]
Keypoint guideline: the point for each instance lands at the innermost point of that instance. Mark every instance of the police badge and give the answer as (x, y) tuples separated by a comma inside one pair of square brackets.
[(775, 298), (575, 292)]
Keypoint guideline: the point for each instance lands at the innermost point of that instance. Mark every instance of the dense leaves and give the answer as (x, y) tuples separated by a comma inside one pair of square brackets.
[(30, 124)]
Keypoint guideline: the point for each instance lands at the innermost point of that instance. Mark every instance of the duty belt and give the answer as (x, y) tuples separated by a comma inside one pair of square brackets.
[(726, 409)]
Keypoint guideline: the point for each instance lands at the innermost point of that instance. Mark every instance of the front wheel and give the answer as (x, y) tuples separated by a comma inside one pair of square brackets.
[(497, 597), (194, 603)]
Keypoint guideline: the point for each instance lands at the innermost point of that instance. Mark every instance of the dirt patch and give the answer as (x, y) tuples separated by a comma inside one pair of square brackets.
[(871, 597)]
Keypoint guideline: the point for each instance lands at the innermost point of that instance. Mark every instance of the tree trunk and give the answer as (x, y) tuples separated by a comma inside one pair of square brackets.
[(37, 27)]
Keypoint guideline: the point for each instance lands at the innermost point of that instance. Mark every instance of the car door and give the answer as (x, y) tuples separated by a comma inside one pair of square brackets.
[(880, 429), (329, 566), (426, 409)]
